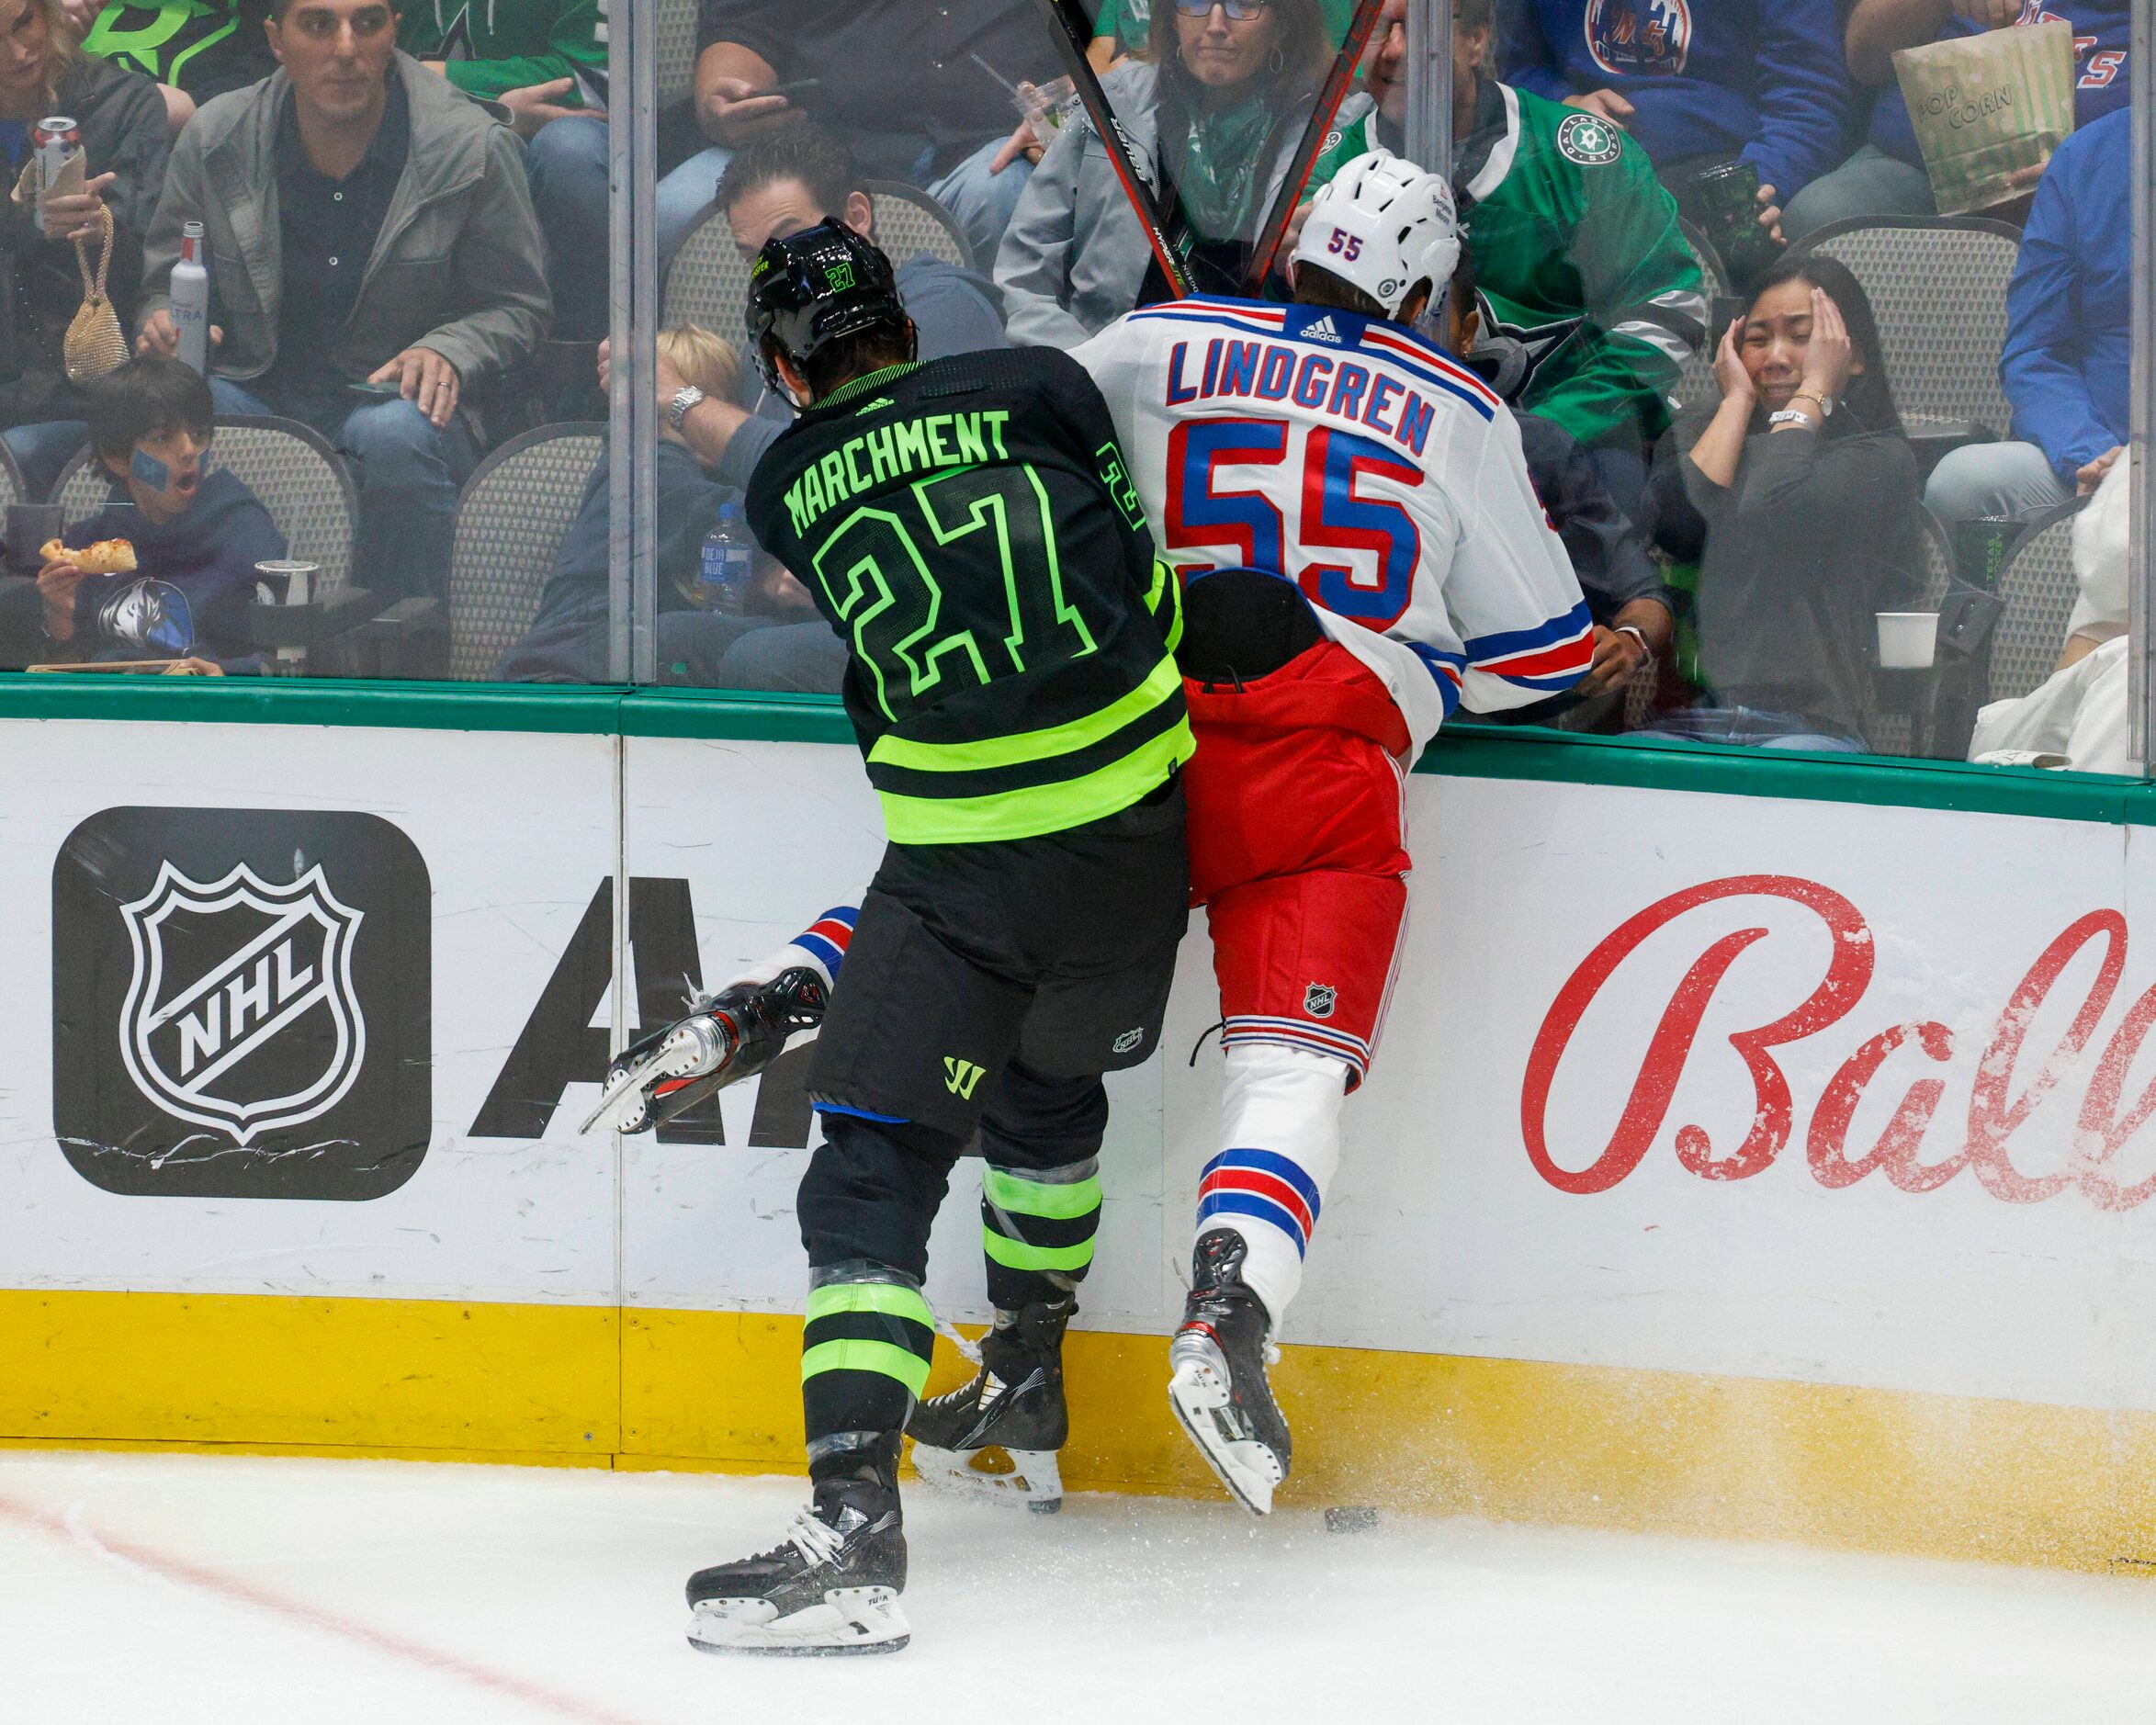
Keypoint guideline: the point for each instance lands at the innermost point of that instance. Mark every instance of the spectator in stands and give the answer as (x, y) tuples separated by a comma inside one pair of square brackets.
[(151, 422), (1698, 83), (125, 147), (374, 344), (2080, 711), (545, 61), (1576, 249), (1798, 498), (1223, 99), (900, 84), (1120, 27), (2068, 363), (1885, 176), (194, 49), (1634, 611), (567, 643), (794, 179)]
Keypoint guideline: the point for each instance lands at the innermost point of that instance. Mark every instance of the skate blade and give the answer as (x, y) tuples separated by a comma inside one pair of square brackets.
[(1198, 1393), (675, 1057), (1035, 1482), (850, 1620)]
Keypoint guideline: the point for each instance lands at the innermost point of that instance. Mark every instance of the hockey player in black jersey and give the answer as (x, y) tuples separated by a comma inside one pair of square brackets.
[(967, 526)]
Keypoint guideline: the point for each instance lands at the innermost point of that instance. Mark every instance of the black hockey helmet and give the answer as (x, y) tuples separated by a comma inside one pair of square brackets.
[(813, 286)]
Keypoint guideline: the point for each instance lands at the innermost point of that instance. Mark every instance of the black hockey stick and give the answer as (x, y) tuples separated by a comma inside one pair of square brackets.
[(1337, 84), (1073, 33)]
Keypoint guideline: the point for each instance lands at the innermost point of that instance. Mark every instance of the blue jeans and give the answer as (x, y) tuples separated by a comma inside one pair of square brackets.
[(2004, 479), (40, 451), (567, 165), (1870, 184), (407, 470), (980, 202), (1751, 727)]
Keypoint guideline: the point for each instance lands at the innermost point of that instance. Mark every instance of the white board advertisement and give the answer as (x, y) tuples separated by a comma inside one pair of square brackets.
[(1806, 1091)]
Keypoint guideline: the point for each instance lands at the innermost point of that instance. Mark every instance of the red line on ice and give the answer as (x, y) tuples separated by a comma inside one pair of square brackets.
[(314, 1617)]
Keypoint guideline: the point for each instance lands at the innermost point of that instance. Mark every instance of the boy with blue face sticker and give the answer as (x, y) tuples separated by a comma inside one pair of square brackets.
[(151, 425)]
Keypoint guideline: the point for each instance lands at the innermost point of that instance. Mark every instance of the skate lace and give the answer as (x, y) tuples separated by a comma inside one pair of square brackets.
[(817, 1541), (971, 1351)]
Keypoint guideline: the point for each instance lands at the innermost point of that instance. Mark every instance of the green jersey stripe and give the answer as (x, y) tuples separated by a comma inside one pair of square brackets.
[(893, 1297), (1030, 1197), (1018, 1255), (1017, 746), (881, 1358), (1044, 808)]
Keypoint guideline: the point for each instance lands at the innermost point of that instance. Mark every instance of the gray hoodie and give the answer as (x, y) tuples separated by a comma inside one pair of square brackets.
[(458, 266), (1074, 257)]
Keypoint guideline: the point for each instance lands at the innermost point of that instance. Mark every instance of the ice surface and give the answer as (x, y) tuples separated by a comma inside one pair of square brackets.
[(175, 1589)]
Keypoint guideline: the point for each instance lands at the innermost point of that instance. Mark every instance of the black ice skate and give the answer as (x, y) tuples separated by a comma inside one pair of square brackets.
[(1014, 1403), (1218, 1388), (727, 1037), (831, 1587)]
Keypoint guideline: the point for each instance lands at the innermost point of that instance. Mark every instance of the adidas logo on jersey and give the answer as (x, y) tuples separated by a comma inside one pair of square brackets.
[(1324, 329)]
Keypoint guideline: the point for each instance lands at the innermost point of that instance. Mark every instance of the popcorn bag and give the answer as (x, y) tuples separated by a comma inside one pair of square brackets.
[(1986, 106)]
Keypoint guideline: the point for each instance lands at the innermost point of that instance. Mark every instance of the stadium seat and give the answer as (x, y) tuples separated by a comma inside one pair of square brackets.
[(1897, 731), (1695, 383), (1939, 289), (708, 282), (12, 490), (515, 511), (2039, 589), (677, 50)]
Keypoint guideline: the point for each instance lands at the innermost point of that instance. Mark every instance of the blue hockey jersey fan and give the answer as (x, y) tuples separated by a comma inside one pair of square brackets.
[(1761, 80)]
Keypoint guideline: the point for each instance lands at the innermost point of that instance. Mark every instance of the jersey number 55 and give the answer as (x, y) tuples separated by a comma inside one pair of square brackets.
[(1331, 512)]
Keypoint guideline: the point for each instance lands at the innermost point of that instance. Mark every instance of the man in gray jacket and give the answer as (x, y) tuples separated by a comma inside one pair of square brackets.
[(372, 257)]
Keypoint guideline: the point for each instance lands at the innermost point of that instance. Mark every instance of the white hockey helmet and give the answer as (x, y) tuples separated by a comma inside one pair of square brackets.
[(1383, 225)]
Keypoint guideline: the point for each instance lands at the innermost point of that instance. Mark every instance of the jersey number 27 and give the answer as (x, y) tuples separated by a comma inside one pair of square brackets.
[(1331, 512)]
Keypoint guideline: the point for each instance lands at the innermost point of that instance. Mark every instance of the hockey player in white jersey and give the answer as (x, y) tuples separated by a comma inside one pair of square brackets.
[(1363, 551)]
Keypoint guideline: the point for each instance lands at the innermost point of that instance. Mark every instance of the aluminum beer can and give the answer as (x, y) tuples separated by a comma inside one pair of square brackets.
[(57, 141)]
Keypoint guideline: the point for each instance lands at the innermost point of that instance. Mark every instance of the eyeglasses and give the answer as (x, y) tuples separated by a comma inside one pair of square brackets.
[(1241, 11)]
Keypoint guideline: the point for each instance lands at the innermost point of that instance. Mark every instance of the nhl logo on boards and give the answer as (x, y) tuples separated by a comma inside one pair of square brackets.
[(287, 957), (1589, 140), (242, 1003), (1320, 999)]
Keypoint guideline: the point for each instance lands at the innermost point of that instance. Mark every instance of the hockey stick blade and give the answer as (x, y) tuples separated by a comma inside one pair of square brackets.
[(1337, 82), (1072, 34)]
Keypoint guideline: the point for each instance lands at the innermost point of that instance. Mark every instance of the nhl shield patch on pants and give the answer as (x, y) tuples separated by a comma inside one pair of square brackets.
[(242, 1003)]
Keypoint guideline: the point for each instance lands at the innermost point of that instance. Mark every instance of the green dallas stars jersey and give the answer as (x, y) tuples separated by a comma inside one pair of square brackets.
[(969, 529), (1577, 254)]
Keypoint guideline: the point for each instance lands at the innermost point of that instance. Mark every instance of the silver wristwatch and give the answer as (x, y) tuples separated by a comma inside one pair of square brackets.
[(684, 398)]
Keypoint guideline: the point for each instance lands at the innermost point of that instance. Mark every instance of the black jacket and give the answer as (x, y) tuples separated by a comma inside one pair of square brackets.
[(1818, 532), (121, 117)]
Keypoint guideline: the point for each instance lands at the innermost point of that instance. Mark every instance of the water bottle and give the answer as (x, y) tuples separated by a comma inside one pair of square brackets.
[(726, 565), (190, 300)]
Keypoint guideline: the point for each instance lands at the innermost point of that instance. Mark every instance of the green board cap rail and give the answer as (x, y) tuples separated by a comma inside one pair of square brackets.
[(1478, 751)]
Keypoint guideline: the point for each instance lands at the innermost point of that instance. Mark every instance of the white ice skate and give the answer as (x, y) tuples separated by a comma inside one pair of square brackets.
[(848, 1620)]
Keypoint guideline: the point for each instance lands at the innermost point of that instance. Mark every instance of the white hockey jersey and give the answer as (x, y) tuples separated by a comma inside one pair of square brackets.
[(1350, 456)]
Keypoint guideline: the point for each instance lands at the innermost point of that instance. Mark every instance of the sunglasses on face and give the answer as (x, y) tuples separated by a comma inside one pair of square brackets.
[(1241, 11)]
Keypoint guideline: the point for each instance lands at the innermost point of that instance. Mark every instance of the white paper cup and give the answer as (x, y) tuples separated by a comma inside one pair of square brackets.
[(1908, 641)]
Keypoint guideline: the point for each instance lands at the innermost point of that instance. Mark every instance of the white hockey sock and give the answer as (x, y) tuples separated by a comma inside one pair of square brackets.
[(821, 947), (1281, 1142)]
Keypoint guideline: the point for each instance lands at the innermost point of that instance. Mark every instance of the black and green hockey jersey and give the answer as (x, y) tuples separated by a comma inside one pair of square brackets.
[(969, 528), (204, 47), (1577, 254), (494, 46)]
